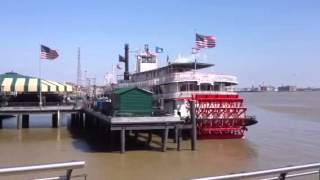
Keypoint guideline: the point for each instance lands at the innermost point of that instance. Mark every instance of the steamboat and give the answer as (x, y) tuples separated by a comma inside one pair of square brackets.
[(220, 111)]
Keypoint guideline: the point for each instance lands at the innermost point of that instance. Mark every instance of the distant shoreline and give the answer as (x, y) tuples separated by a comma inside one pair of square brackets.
[(276, 91)]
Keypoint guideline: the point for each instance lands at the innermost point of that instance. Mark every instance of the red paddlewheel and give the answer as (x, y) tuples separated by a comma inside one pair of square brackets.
[(220, 116)]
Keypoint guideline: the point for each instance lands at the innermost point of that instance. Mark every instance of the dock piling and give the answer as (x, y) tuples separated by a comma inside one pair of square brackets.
[(25, 120), (165, 139), (54, 120), (58, 118), (149, 137), (194, 125), (123, 140), (178, 140), (19, 121)]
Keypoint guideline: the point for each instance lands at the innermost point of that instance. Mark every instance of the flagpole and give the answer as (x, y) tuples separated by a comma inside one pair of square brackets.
[(40, 93), (195, 59)]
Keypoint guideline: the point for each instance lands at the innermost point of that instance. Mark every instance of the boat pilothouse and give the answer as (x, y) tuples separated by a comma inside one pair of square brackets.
[(184, 79)]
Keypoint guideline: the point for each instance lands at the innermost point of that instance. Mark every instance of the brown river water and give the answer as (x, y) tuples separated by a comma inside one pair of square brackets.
[(287, 134)]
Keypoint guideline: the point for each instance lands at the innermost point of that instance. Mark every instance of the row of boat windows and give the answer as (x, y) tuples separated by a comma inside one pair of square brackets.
[(180, 87), (156, 74)]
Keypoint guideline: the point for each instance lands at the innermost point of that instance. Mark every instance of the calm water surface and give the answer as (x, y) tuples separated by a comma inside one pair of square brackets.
[(287, 134)]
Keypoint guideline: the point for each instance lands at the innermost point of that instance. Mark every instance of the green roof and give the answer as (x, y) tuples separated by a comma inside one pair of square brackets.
[(13, 75), (14, 82), (124, 90)]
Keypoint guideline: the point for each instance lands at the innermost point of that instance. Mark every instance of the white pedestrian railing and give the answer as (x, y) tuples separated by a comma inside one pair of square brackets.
[(282, 173), (67, 166)]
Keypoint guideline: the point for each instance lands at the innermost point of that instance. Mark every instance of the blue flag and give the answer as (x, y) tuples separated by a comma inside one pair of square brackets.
[(159, 49)]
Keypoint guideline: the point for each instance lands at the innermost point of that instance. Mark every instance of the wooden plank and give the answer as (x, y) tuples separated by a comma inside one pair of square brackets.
[(144, 120), (142, 127)]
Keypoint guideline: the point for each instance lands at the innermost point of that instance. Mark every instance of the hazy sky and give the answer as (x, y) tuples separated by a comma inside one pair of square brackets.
[(260, 41)]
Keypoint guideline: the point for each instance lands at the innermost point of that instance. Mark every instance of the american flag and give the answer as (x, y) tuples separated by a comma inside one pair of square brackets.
[(205, 41), (47, 53)]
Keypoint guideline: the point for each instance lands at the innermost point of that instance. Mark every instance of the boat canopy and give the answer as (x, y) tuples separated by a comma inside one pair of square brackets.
[(14, 82), (189, 65), (185, 66)]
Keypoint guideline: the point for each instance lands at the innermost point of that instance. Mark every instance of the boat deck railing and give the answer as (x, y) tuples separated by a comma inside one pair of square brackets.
[(278, 173), (67, 166)]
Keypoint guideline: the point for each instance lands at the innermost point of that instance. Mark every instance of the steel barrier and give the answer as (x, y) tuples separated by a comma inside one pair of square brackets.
[(67, 166), (283, 173)]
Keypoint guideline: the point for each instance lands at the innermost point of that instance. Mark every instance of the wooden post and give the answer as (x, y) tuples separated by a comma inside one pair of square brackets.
[(73, 119), (178, 131), (123, 140), (19, 122), (84, 117), (25, 121), (54, 120), (176, 134), (165, 139), (136, 134), (149, 137), (87, 119), (58, 118), (81, 120), (194, 125), (110, 138)]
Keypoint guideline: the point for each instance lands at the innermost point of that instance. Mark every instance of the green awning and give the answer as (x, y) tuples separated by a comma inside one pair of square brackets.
[(14, 82)]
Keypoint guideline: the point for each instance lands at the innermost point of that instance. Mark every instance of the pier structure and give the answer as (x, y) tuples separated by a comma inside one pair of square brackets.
[(148, 123), (83, 117), (23, 113)]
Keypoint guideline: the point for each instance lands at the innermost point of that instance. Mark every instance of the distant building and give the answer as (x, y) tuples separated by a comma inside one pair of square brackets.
[(267, 88), (287, 88)]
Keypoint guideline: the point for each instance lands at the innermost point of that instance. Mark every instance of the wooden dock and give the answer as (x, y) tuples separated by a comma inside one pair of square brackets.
[(120, 124), (23, 113), (164, 123), (124, 124)]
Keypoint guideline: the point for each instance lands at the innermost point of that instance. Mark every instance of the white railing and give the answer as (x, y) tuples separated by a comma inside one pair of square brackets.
[(282, 173), (184, 94), (67, 166), (180, 77), (199, 77)]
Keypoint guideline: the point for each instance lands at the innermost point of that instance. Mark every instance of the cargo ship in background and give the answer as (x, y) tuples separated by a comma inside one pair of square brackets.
[(220, 111)]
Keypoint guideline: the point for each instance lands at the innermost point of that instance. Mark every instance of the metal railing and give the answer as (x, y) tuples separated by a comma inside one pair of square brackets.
[(67, 166), (282, 173)]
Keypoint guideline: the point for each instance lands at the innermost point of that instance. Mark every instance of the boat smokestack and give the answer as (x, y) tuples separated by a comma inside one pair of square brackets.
[(126, 59)]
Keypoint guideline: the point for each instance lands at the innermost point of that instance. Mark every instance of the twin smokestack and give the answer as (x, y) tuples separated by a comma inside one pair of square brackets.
[(125, 59)]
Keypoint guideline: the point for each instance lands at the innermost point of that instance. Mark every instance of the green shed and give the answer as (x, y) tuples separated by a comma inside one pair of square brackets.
[(132, 102)]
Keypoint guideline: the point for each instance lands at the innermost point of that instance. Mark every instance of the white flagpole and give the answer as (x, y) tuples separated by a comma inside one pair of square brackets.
[(40, 94)]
